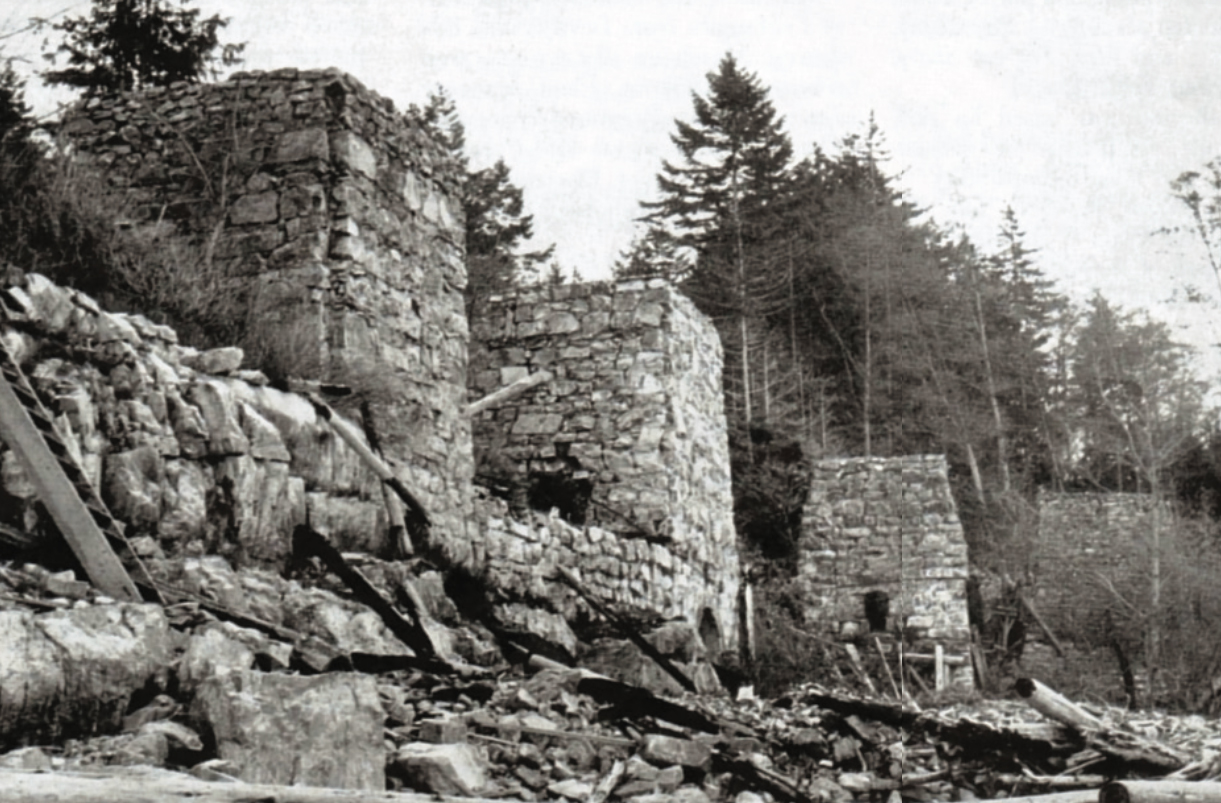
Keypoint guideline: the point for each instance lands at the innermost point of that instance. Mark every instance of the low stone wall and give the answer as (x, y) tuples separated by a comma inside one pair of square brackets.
[(885, 525), (337, 224), (186, 449), (629, 438), (520, 557)]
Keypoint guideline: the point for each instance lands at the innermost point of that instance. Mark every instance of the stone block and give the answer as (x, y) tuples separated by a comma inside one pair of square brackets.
[(322, 730), (261, 207), (71, 673), (352, 152), (441, 769), (664, 751), (297, 146)]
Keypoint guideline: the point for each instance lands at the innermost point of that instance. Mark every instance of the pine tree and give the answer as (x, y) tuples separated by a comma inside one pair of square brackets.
[(496, 227), (134, 44), (720, 201)]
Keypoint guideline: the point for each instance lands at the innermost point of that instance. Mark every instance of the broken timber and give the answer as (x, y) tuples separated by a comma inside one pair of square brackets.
[(417, 520), (146, 784), (627, 630), (507, 392), (87, 526)]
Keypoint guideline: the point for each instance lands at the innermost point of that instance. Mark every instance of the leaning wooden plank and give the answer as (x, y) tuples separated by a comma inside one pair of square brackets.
[(507, 392), (1160, 792), (1038, 620), (418, 523), (626, 630), (148, 785), (61, 499), (307, 541), (1076, 796), (1056, 707)]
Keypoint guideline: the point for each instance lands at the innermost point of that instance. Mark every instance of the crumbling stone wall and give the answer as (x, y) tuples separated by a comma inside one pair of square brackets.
[(194, 455), (338, 222), (885, 525), (1084, 538), (634, 420)]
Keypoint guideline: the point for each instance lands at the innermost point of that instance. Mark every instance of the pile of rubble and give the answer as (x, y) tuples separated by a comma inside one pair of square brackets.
[(273, 683)]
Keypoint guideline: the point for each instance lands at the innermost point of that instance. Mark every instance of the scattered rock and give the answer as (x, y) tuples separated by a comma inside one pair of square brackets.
[(442, 769)]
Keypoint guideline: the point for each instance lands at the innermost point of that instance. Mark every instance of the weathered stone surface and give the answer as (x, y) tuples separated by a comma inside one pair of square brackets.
[(133, 486), (346, 241), (211, 653), (216, 361), (216, 403), (72, 673), (324, 730), (663, 751), (297, 146), (442, 769)]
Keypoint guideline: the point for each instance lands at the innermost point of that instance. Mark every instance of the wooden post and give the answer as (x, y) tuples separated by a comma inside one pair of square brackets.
[(939, 668)]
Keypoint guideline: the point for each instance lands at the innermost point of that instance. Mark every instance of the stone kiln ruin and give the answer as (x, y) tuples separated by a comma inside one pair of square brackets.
[(629, 437), (336, 225), (337, 222), (882, 549)]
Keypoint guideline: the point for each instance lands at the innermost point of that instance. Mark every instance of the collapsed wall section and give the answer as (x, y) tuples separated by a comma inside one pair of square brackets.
[(628, 440), (196, 456), (882, 549), (334, 223)]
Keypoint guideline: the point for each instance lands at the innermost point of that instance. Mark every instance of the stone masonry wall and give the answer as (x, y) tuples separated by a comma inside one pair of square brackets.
[(635, 411), (339, 229), (1082, 537), (889, 525), (195, 456)]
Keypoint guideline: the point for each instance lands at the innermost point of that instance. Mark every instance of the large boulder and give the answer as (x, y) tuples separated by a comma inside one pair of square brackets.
[(72, 673), (322, 730)]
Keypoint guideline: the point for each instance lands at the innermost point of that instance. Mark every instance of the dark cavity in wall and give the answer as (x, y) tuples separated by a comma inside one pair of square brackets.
[(561, 484), (877, 610)]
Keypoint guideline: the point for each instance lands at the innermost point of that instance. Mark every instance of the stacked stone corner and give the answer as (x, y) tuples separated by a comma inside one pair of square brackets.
[(337, 222)]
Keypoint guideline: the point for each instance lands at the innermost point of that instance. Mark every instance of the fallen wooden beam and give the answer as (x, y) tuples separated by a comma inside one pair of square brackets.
[(1055, 706), (307, 541), (417, 522), (1160, 792), (149, 785), (507, 392), (626, 630)]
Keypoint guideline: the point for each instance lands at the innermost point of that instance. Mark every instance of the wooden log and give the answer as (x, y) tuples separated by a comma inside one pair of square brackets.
[(948, 660), (149, 785), (1052, 781), (1160, 792), (877, 642), (1056, 707), (1075, 796), (507, 392), (418, 523)]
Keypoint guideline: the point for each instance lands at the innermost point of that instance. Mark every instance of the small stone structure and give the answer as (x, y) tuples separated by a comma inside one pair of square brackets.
[(882, 549), (629, 438), (1084, 538), (336, 221)]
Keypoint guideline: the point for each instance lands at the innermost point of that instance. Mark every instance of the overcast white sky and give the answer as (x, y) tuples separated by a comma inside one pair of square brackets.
[(1077, 112)]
